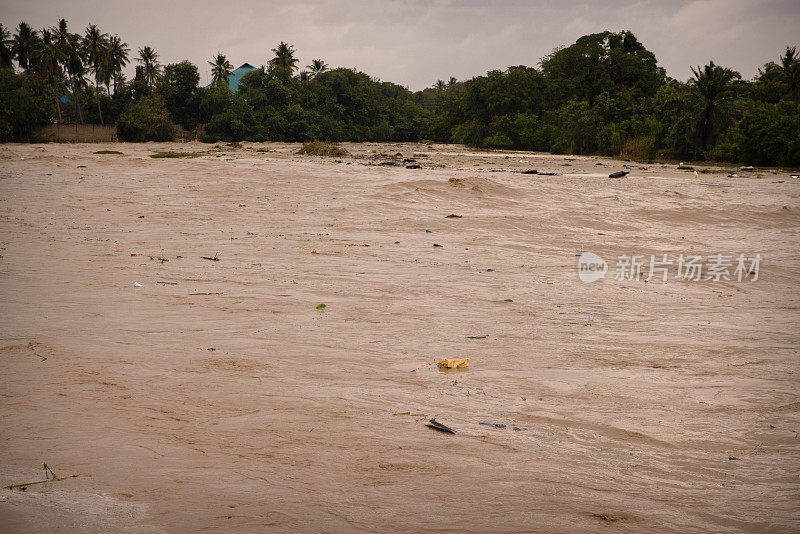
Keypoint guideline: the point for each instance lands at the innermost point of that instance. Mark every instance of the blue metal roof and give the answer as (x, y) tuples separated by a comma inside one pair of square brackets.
[(236, 76)]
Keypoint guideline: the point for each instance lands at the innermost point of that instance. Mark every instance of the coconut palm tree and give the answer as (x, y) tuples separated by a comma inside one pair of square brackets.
[(149, 60), (712, 88), (221, 70), (317, 66), (48, 58), (790, 70), (72, 54), (116, 58), (440, 85), (24, 45), (284, 57), (61, 38), (451, 82), (95, 47), (6, 46)]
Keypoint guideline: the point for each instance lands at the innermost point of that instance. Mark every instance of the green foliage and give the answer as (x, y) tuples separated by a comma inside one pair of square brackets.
[(498, 141), (181, 93), (574, 128), (151, 70), (610, 139), (603, 94), (334, 105), (768, 134), (713, 92), (234, 123), (25, 105), (161, 155), (320, 148), (221, 70), (146, 120), (599, 63)]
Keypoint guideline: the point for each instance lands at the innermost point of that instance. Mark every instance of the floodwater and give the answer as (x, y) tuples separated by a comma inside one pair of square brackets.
[(245, 408)]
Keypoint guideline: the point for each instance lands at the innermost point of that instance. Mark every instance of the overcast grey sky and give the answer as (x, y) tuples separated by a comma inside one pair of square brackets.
[(415, 42)]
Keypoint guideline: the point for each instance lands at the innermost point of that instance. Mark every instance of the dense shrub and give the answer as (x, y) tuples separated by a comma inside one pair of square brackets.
[(25, 105), (146, 120), (319, 148), (769, 134)]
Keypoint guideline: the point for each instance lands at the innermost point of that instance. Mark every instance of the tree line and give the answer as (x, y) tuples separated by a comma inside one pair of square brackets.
[(604, 94)]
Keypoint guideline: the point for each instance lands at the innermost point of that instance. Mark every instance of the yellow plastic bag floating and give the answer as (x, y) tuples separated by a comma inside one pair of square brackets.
[(454, 363)]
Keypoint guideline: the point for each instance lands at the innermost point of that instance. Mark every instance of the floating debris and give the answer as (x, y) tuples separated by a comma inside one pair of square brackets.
[(436, 425), (453, 363)]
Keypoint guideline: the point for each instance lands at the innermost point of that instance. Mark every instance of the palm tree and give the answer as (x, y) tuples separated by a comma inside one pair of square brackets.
[(116, 58), (712, 87), (452, 82), (95, 46), (24, 45), (48, 59), (284, 57), (440, 85), (72, 57), (6, 46), (790, 70), (317, 66), (221, 70), (149, 60)]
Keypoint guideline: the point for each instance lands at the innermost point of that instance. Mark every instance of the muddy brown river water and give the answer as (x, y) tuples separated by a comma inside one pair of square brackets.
[(217, 397)]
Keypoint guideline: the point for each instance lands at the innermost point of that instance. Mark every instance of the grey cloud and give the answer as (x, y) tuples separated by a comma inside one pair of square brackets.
[(415, 42)]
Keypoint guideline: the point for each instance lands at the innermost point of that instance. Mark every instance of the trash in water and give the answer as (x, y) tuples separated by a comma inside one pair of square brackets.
[(321, 306), (453, 363), (591, 318), (453, 216), (493, 425), (436, 425), (427, 231), (477, 337), (423, 367), (49, 476), (137, 284), (437, 245), (618, 174)]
